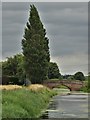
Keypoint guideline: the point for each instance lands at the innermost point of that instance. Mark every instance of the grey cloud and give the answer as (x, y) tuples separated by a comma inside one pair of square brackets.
[(69, 64), (64, 12), (68, 45), (15, 6), (51, 7), (16, 17), (67, 30)]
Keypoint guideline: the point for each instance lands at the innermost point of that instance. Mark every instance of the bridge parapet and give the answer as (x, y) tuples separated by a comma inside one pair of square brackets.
[(72, 85)]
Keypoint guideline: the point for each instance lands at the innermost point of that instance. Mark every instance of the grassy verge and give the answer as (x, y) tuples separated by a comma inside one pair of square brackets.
[(25, 103), (86, 88)]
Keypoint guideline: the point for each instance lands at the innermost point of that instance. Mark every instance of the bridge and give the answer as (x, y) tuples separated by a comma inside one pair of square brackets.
[(71, 85)]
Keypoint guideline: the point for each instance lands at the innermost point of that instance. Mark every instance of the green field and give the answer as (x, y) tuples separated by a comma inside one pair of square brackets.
[(25, 103)]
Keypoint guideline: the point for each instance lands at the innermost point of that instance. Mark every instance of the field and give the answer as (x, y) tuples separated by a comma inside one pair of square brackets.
[(27, 102)]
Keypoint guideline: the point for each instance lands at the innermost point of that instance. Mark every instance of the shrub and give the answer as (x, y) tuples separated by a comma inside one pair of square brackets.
[(79, 76), (53, 71), (10, 80)]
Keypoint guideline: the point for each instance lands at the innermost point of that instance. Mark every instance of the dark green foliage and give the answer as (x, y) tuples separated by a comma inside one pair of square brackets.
[(14, 67), (86, 88), (53, 71), (66, 76), (35, 48), (71, 77), (13, 80), (88, 82), (9, 67), (20, 68), (10, 80), (79, 76)]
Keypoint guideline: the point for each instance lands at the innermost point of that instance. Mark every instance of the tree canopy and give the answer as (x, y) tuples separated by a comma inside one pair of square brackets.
[(79, 76), (53, 71), (13, 66)]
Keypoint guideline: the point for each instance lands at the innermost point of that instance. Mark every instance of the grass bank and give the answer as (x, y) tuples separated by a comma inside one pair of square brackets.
[(25, 103)]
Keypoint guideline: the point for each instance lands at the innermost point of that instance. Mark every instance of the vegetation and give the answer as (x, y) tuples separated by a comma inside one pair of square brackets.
[(89, 82), (71, 77), (63, 87), (13, 66), (0, 64), (10, 87), (13, 70), (9, 67), (86, 88), (11, 80), (25, 103), (35, 48), (53, 72), (79, 76), (66, 76)]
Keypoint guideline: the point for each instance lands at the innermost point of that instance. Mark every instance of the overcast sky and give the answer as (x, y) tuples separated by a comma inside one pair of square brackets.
[(67, 29)]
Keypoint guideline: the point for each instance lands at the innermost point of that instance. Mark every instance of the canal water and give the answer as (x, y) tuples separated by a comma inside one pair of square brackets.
[(67, 106)]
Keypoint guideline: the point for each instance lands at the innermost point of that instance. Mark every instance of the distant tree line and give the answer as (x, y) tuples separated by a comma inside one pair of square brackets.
[(77, 76)]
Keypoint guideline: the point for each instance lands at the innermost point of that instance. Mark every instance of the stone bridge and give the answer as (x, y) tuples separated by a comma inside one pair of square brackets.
[(72, 85)]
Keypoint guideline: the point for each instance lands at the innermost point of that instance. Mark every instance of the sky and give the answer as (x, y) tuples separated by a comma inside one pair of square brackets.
[(67, 29)]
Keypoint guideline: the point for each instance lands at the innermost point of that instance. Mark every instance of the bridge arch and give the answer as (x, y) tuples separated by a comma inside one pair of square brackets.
[(67, 87), (63, 85)]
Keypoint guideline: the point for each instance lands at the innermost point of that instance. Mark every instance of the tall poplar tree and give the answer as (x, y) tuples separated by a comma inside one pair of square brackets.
[(35, 48)]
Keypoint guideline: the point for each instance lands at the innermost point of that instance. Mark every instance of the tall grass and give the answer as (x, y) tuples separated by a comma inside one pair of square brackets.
[(86, 88), (24, 103)]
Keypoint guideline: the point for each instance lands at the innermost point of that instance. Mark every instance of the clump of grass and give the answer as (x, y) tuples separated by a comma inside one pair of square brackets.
[(36, 87), (10, 87), (25, 103)]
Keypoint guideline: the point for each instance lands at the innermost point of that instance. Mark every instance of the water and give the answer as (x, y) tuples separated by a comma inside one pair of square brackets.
[(67, 106)]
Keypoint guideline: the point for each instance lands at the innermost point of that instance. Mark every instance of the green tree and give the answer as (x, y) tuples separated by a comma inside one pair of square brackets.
[(14, 67), (89, 82), (71, 77), (53, 71), (66, 76), (35, 48), (79, 76), (9, 67), (20, 68)]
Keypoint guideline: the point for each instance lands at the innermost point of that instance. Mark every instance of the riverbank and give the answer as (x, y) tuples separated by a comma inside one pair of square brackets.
[(25, 103)]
